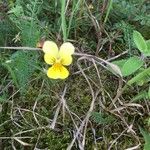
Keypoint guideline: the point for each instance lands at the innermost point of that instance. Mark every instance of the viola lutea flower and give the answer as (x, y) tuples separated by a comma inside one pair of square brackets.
[(58, 58)]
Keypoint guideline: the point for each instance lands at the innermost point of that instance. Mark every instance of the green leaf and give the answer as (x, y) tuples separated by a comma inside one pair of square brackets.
[(131, 65), (63, 20), (140, 96), (146, 136), (108, 10), (140, 42), (143, 76), (148, 48), (148, 45), (149, 93)]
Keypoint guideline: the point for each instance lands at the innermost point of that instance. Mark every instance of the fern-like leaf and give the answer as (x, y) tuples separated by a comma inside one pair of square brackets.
[(101, 118)]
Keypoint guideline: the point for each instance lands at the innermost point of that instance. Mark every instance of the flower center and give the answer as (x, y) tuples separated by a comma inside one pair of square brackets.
[(57, 66)]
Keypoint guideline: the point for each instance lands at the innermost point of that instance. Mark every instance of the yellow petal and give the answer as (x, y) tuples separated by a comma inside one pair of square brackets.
[(66, 49), (50, 47), (66, 60), (57, 71), (49, 59)]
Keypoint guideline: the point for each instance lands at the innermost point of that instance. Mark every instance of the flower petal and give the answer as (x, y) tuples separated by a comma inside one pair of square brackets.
[(66, 60), (57, 71), (51, 48), (49, 59), (66, 49)]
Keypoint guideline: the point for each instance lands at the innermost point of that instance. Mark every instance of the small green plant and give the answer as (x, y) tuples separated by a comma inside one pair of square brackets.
[(146, 136), (101, 118), (135, 65), (22, 64), (143, 76)]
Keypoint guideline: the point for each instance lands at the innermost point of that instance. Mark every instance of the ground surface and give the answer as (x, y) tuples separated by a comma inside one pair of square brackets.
[(94, 107)]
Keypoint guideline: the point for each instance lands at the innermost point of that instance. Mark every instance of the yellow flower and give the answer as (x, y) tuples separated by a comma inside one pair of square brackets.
[(58, 58)]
